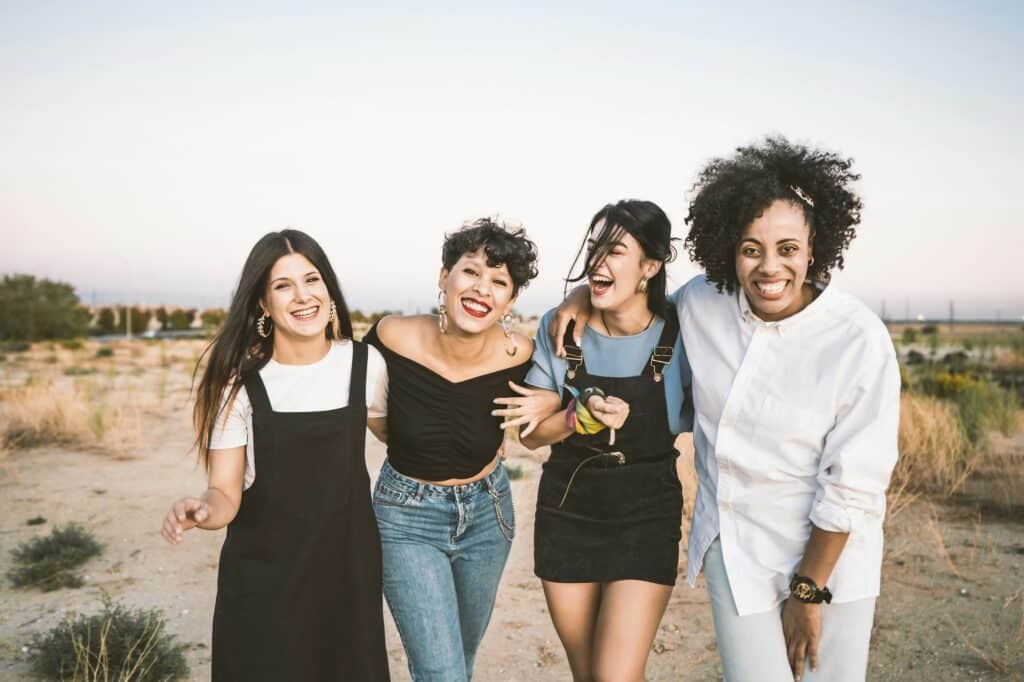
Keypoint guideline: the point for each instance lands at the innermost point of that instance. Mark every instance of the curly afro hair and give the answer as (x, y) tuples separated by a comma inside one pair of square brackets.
[(731, 193), (502, 245)]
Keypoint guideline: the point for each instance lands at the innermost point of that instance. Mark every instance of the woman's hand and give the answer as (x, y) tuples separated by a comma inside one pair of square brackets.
[(576, 306), (185, 514), (609, 410), (801, 626), (531, 406)]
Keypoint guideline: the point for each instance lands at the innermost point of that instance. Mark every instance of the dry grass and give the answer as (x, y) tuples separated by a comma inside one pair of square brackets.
[(1006, 653), (935, 456), (45, 413)]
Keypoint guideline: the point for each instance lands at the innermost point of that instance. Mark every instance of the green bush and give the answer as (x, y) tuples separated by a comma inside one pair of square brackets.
[(76, 371), (984, 406), (105, 352), (49, 562), (72, 344), (117, 644), (15, 346)]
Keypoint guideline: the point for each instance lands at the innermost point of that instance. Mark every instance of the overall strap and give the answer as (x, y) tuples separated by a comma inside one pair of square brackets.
[(573, 353), (662, 354), (357, 377), (258, 395)]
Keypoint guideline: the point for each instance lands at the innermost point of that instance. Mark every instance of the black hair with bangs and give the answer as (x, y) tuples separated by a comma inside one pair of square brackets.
[(648, 225)]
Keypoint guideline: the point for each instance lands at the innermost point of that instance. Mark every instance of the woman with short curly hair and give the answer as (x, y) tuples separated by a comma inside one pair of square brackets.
[(796, 390), (443, 501)]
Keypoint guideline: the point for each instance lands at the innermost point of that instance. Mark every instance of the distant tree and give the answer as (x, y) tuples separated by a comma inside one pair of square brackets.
[(191, 313), (213, 317), (140, 320), (357, 315), (909, 335), (178, 319), (162, 318), (31, 309), (106, 321)]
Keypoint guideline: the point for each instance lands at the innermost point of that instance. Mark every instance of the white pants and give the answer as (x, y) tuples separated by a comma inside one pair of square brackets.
[(753, 648)]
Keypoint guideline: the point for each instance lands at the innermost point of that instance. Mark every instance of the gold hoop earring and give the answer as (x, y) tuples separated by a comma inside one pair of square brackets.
[(641, 288), (334, 312), (442, 312), (810, 262), (510, 343), (261, 330)]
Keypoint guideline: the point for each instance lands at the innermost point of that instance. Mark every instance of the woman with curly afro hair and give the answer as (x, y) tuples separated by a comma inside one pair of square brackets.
[(796, 390)]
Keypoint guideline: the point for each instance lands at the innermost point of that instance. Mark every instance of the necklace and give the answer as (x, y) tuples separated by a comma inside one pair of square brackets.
[(607, 329)]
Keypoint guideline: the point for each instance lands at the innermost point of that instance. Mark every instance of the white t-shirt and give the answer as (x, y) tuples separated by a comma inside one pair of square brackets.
[(321, 386)]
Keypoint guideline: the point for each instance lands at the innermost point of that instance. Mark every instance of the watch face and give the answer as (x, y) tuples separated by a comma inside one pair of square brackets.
[(803, 591)]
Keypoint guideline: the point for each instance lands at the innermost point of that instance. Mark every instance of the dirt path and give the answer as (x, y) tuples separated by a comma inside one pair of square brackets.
[(952, 579)]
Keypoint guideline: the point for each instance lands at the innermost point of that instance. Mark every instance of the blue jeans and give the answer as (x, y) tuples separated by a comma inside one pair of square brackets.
[(444, 550)]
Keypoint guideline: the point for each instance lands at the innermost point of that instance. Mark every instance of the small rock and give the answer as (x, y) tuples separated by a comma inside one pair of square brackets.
[(963, 592)]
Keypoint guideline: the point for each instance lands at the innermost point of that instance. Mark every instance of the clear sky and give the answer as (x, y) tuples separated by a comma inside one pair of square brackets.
[(144, 148)]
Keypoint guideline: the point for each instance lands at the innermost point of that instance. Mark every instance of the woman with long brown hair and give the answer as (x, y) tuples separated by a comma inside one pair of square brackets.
[(280, 417)]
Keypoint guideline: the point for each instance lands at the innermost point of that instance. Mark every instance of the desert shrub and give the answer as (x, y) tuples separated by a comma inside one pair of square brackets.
[(15, 346), (49, 562), (78, 371), (105, 352), (72, 344), (909, 336), (929, 329), (118, 644), (515, 471), (51, 359), (984, 406), (914, 358)]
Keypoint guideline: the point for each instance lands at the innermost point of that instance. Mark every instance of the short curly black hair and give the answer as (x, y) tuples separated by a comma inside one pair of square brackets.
[(504, 245), (731, 193)]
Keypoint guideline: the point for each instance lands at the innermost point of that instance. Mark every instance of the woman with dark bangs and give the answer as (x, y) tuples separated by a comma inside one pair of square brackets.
[(443, 500), (280, 418), (796, 387), (609, 506)]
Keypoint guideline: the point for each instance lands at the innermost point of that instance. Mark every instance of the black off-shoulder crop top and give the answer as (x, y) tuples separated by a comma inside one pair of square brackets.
[(439, 429)]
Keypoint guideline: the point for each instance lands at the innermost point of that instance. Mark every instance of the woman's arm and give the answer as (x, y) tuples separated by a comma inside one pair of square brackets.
[(379, 428), (856, 463), (554, 429), (218, 505)]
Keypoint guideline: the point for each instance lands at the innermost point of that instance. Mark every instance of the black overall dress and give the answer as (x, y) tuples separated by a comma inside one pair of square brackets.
[(299, 587), (608, 513)]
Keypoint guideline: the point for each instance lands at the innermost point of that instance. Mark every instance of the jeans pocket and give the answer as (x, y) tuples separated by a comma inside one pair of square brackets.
[(388, 496)]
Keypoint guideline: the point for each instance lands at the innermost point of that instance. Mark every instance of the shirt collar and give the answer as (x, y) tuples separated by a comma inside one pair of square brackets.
[(813, 310)]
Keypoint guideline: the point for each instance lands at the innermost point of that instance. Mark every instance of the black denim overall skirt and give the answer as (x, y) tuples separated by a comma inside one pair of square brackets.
[(606, 512), (299, 587)]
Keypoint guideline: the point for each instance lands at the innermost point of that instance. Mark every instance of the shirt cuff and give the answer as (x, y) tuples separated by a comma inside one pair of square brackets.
[(832, 517)]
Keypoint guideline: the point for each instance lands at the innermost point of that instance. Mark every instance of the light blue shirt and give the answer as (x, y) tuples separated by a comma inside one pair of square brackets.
[(618, 356)]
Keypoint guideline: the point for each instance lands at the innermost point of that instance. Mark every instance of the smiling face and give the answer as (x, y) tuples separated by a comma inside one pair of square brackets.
[(772, 261), (297, 299), (476, 294), (615, 280)]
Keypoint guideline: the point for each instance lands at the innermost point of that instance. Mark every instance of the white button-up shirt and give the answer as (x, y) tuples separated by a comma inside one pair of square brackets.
[(796, 424)]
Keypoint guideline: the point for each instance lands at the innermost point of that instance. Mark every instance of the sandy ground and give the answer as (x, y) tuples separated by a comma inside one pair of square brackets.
[(951, 596)]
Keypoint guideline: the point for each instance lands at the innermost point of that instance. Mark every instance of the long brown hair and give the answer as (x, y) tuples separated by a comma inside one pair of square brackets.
[(237, 350)]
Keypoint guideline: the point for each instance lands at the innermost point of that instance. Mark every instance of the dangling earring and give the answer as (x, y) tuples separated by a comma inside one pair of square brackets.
[(334, 312), (641, 288), (506, 326), (442, 312), (260, 328)]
